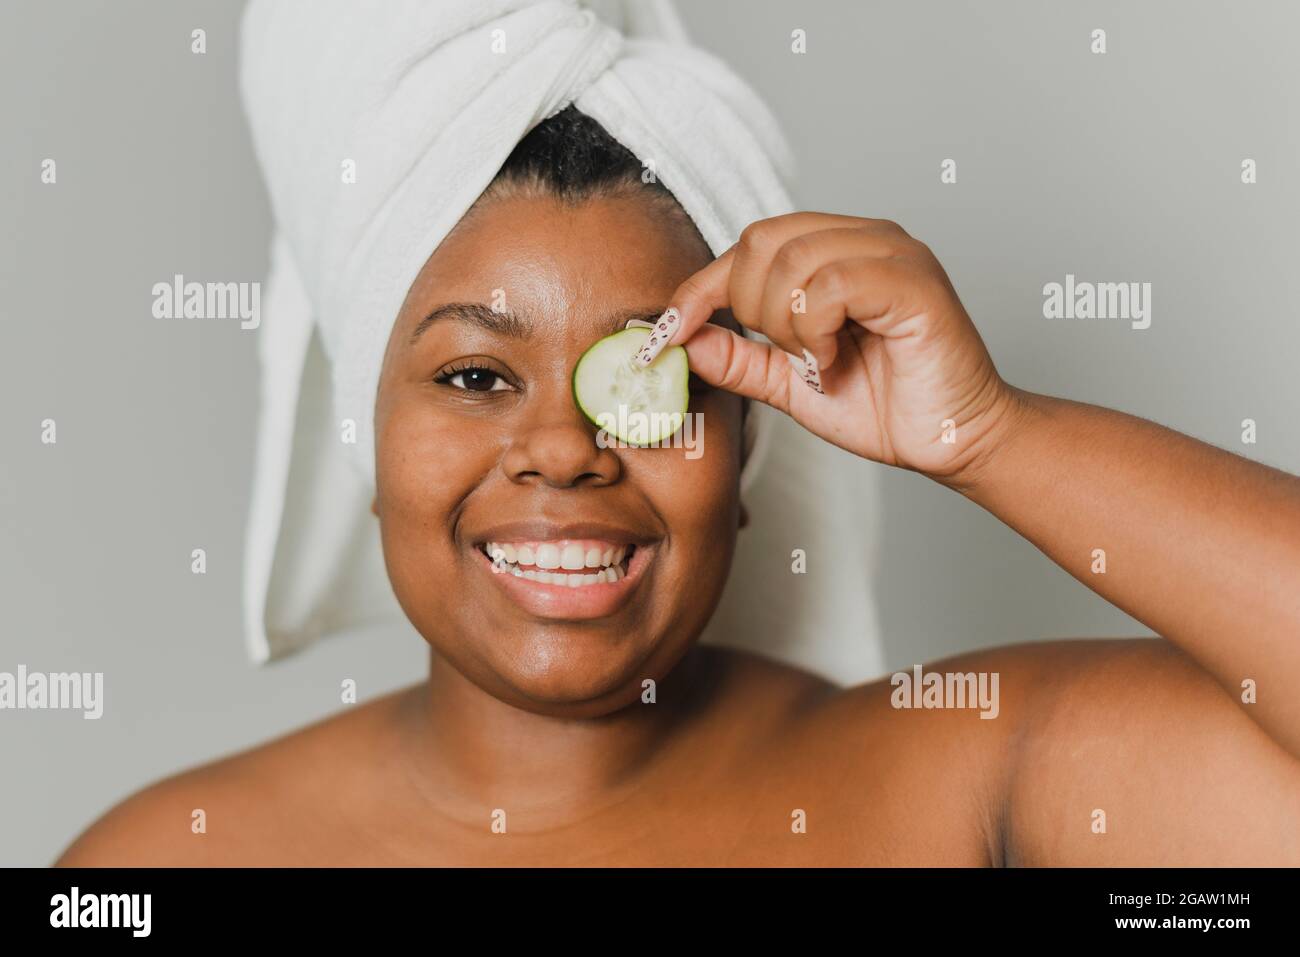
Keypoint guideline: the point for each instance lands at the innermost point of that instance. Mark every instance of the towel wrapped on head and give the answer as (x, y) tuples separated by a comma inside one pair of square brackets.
[(377, 124)]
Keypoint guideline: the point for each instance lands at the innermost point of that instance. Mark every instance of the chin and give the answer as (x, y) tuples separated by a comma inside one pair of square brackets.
[(569, 665)]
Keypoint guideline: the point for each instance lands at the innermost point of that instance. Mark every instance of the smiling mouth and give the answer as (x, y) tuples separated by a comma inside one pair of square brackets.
[(567, 563), (569, 579)]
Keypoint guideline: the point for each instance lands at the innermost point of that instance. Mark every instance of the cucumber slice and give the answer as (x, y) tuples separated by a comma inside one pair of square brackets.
[(639, 405)]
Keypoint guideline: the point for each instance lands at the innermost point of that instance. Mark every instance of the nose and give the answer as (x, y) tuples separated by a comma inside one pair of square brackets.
[(561, 455)]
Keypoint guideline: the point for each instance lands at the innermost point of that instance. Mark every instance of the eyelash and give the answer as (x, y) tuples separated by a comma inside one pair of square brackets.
[(444, 378)]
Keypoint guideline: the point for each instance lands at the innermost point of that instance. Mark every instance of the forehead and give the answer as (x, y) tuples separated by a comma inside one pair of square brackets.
[(542, 256)]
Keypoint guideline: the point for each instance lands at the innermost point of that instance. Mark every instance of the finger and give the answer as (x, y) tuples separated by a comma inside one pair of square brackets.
[(785, 295), (747, 367), (740, 269), (759, 245), (692, 304), (739, 273), (874, 293)]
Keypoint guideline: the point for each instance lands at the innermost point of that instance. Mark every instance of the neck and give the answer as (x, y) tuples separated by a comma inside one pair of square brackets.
[(474, 753)]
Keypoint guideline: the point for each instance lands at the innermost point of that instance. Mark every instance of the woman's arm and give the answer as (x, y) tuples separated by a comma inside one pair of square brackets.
[(1200, 545), (1126, 752)]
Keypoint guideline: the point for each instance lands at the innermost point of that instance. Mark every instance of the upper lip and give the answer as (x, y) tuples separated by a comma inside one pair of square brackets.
[(543, 531)]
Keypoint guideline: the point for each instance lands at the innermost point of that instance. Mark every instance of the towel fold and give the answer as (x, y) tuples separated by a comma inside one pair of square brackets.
[(377, 124)]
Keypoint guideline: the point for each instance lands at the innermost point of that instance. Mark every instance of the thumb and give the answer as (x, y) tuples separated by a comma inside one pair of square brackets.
[(692, 304), (755, 370), (701, 295)]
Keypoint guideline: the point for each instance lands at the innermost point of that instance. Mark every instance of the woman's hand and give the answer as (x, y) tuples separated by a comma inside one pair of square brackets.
[(904, 377)]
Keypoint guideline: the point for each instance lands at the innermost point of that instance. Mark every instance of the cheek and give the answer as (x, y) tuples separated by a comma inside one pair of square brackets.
[(697, 491), (425, 464)]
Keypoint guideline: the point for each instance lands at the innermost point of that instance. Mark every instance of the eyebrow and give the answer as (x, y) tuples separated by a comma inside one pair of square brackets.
[(510, 324)]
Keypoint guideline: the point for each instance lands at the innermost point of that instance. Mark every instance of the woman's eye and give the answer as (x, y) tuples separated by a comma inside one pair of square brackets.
[(475, 379)]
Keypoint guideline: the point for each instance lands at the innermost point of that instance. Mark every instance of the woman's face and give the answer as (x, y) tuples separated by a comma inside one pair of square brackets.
[(479, 443)]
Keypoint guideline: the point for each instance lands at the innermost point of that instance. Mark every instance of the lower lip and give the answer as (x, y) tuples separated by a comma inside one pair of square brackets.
[(566, 602)]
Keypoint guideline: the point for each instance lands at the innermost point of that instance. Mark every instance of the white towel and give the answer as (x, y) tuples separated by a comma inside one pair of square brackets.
[(424, 100)]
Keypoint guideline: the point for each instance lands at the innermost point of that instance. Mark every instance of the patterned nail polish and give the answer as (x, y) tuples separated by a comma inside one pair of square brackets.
[(812, 373), (807, 369), (660, 336)]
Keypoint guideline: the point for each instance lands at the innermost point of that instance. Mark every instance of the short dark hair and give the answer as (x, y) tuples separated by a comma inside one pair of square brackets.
[(570, 156), (574, 157)]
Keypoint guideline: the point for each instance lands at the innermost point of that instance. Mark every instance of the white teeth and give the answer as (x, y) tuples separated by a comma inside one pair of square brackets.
[(571, 558), (604, 576)]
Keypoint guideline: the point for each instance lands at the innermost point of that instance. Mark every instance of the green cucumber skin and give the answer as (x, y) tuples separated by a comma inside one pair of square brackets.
[(636, 337)]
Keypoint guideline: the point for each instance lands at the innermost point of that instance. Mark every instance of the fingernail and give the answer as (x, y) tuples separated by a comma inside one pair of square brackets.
[(812, 373), (808, 370), (660, 336)]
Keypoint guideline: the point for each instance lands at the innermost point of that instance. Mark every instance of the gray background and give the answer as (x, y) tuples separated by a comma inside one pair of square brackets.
[(1122, 167)]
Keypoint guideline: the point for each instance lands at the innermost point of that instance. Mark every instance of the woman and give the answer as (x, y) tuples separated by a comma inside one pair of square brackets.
[(584, 726)]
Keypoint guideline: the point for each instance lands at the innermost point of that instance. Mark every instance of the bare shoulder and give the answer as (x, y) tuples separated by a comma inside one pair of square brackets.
[(974, 700), (1130, 753), (941, 698), (1098, 752), (950, 728), (917, 761), (235, 808)]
